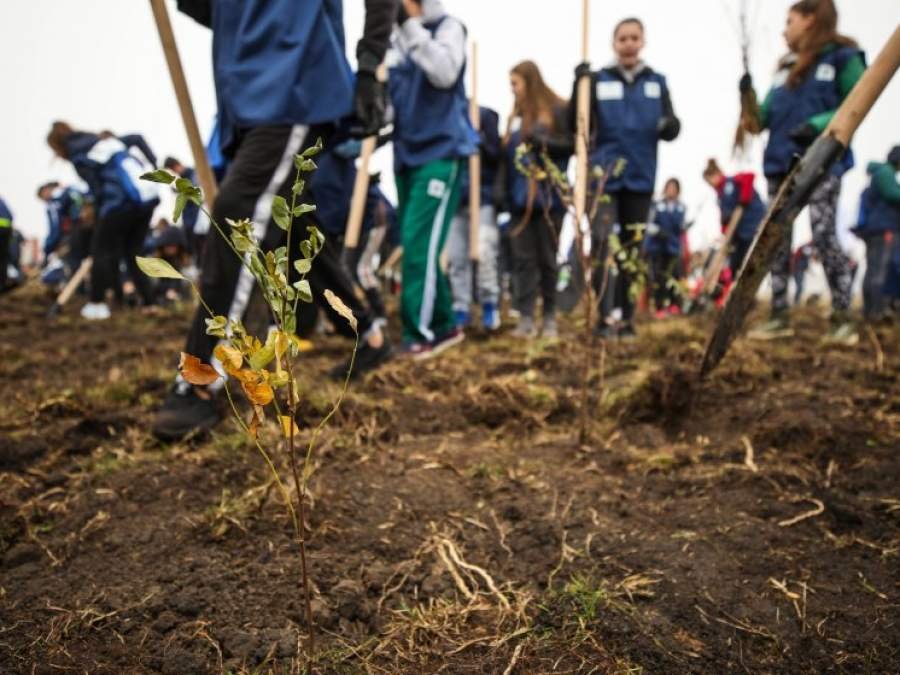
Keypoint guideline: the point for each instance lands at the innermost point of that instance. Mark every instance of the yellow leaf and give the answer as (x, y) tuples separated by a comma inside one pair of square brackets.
[(287, 423), (253, 425), (302, 345), (231, 358), (196, 372), (259, 393), (338, 306)]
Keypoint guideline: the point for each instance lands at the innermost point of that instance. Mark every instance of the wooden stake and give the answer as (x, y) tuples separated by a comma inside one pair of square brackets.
[(474, 164), (718, 262), (582, 126), (182, 94)]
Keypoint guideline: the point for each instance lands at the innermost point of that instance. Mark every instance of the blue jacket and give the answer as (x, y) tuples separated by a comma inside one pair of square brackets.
[(276, 61), (880, 202), (668, 216), (112, 172), (491, 150), (628, 121), (739, 191), (789, 108), (63, 212), (430, 123), (6, 216)]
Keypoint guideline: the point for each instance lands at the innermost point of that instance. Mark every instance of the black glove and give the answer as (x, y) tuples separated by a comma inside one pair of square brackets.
[(804, 134), (583, 69), (368, 105), (668, 127), (746, 84), (402, 16)]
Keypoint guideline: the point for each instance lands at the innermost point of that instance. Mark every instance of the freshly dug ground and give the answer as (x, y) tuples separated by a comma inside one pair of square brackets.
[(750, 523)]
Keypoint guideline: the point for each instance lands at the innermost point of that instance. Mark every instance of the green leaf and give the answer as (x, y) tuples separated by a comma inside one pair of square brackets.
[(180, 202), (306, 249), (303, 266), (158, 176), (298, 187), (303, 290), (300, 209), (313, 150), (262, 358), (183, 186), (305, 165), (241, 242), (281, 214), (216, 326), (157, 268)]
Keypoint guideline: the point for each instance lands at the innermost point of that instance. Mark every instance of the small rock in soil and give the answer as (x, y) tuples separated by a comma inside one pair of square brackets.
[(165, 622)]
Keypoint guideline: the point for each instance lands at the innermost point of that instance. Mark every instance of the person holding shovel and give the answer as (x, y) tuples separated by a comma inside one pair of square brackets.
[(631, 113), (282, 80), (821, 68)]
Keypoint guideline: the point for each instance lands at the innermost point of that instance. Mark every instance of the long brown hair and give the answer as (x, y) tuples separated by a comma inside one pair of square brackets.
[(822, 32), (56, 139), (541, 102)]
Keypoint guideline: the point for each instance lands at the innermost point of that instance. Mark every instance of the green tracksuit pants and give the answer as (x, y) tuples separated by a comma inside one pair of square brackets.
[(428, 196)]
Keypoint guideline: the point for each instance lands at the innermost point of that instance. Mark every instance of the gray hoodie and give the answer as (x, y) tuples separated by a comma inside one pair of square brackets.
[(440, 57)]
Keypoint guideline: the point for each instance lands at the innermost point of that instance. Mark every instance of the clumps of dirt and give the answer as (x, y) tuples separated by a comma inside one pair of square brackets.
[(665, 397)]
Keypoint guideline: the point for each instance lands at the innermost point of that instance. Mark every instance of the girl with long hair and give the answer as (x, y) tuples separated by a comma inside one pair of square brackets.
[(812, 80), (538, 120)]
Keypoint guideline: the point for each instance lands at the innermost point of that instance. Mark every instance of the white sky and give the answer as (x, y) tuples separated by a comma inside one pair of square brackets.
[(98, 64)]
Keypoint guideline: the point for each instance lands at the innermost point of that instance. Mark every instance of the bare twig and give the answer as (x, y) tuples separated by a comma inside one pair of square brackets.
[(820, 508)]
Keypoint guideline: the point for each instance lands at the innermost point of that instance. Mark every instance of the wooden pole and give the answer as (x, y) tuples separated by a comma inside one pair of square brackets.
[(718, 262), (582, 125), (474, 164), (182, 93)]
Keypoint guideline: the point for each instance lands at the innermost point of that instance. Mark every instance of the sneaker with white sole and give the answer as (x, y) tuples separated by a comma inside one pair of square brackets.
[(525, 328), (842, 331), (490, 316), (95, 311), (776, 328)]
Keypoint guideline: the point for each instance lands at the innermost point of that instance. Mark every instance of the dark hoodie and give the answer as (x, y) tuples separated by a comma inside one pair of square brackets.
[(881, 200)]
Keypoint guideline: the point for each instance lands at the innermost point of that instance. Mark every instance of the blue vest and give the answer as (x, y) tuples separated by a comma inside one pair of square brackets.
[(517, 182), (754, 212), (629, 116), (669, 217), (112, 173), (63, 211), (789, 108), (279, 62), (430, 123), (332, 188)]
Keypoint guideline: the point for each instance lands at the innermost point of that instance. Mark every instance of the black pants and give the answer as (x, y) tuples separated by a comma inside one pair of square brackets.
[(878, 257), (627, 209), (534, 262), (118, 236), (5, 235), (262, 168), (664, 269)]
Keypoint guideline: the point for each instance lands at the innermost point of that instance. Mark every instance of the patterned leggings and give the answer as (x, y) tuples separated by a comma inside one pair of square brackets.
[(823, 218)]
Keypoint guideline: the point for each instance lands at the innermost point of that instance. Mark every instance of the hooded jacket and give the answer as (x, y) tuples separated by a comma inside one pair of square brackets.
[(427, 62)]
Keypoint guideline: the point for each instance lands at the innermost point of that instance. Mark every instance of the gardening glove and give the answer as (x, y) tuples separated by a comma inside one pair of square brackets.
[(746, 83), (668, 127), (369, 104), (583, 69), (804, 134)]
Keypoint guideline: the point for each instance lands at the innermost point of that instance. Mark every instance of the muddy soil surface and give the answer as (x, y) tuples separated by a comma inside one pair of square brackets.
[(750, 523)]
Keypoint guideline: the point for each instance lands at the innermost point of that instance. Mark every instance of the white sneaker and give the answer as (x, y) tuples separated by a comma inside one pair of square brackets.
[(95, 311)]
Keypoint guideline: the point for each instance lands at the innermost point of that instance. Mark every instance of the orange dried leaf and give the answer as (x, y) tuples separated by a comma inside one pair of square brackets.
[(195, 371), (231, 358), (259, 393), (253, 425)]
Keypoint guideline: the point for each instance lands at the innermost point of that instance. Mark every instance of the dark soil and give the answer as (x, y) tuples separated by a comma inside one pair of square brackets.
[(456, 525)]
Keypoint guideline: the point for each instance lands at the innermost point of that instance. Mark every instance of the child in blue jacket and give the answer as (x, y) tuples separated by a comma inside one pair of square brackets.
[(124, 205), (631, 113), (812, 81), (879, 223), (663, 248)]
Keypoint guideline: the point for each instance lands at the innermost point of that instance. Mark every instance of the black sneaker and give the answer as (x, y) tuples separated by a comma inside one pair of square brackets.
[(627, 332), (605, 331), (367, 359), (184, 413)]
